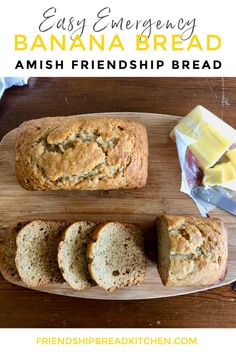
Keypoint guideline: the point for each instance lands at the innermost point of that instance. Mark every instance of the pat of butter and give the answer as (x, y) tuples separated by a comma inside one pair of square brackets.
[(192, 125), (229, 172), (212, 177), (210, 147), (232, 156), (206, 129), (222, 173)]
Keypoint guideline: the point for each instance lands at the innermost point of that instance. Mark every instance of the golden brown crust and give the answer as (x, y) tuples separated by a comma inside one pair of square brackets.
[(197, 250), (81, 153)]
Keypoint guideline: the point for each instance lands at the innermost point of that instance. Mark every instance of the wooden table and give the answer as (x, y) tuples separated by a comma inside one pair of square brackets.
[(21, 307)]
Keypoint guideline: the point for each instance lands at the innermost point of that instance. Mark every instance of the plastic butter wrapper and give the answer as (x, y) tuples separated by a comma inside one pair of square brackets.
[(207, 153)]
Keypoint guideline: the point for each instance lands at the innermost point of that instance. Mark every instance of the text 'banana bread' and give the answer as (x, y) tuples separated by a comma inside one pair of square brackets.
[(81, 153)]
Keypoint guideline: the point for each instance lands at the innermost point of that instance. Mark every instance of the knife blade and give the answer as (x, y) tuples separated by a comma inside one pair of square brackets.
[(216, 198)]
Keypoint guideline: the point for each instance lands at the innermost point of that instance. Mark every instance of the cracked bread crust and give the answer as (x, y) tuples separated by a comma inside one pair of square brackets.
[(192, 251), (81, 153)]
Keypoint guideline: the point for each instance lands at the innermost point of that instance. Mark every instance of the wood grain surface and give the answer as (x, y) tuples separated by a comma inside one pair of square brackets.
[(160, 195), (21, 307)]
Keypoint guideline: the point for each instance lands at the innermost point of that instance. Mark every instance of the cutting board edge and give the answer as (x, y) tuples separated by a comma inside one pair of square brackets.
[(112, 295), (190, 291)]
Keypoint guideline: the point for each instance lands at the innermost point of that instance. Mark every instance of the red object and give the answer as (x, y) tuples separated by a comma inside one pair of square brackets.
[(193, 172)]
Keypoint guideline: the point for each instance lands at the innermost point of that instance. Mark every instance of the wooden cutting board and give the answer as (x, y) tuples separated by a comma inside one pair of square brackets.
[(141, 206)]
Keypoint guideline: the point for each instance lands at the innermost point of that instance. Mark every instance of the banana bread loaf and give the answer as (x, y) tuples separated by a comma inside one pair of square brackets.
[(81, 153), (192, 251)]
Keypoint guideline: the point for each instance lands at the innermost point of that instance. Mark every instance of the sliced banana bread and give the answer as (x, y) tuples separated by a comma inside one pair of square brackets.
[(8, 265), (36, 256), (192, 251), (72, 254), (116, 255)]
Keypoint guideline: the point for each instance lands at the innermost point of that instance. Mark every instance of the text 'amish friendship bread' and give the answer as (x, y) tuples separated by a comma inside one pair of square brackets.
[(72, 254), (81, 153), (36, 255), (116, 255), (192, 251)]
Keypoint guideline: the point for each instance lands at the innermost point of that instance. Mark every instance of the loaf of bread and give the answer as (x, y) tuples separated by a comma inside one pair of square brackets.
[(36, 255), (81, 153), (116, 255), (72, 254), (192, 251)]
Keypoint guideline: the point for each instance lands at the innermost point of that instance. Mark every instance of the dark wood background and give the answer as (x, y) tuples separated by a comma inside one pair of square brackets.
[(20, 307)]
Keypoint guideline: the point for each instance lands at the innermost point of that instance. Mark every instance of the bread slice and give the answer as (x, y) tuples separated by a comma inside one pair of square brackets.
[(72, 254), (36, 255), (8, 265), (116, 255)]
